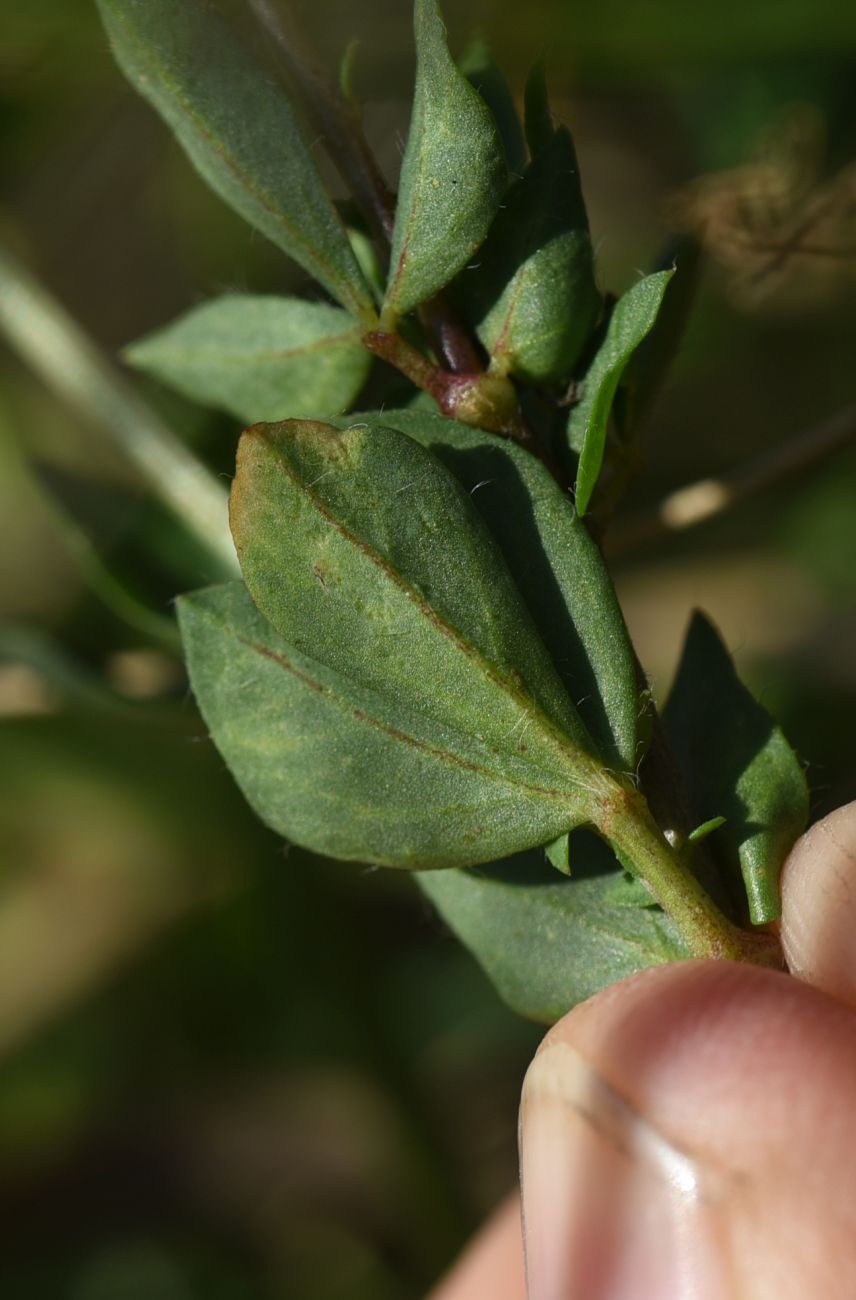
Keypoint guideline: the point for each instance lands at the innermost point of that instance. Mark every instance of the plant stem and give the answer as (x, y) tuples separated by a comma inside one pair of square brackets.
[(692, 505), (707, 932), (46, 337)]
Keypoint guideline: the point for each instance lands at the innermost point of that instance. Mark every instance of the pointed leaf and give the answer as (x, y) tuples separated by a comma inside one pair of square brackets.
[(452, 177), (534, 287), (538, 120), (481, 72), (549, 943), (632, 317), (259, 358), (347, 771), (557, 568), (239, 130), (737, 765)]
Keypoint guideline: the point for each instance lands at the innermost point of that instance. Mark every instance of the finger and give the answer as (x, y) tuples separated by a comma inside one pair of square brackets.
[(491, 1267), (819, 905), (689, 1133)]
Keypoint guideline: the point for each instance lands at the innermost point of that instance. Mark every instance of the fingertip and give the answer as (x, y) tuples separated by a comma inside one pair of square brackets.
[(818, 926)]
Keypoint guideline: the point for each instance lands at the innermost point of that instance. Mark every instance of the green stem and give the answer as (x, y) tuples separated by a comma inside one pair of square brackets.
[(631, 829), (55, 347)]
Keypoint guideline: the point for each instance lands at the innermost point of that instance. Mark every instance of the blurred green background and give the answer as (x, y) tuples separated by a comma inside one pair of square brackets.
[(235, 1073)]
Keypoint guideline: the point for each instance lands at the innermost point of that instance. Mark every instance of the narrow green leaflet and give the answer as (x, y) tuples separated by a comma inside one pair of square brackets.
[(365, 553), (545, 942), (350, 772), (537, 118), (259, 357), (535, 281), (632, 317), (239, 130), (557, 568), (481, 71), (453, 174), (737, 765)]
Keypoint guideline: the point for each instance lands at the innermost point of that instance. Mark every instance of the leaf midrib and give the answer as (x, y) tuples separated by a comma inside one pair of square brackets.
[(267, 202), (557, 739)]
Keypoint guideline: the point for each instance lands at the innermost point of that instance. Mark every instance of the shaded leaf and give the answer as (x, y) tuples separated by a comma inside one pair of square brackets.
[(239, 130), (537, 118), (632, 318), (549, 943), (348, 771), (481, 71), (557, 568), (452, 177), (534, 287), (259, 358), (738, 765)]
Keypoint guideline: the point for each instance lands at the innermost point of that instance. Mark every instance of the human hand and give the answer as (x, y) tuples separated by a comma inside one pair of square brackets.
[(690, 1133)]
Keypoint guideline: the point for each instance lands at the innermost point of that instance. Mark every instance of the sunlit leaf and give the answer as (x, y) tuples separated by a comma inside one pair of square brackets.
[(453, 174), (481, 71), (558, 570), (259, 358), (357, 773), (239, 130), (632, 318), (535, 284)]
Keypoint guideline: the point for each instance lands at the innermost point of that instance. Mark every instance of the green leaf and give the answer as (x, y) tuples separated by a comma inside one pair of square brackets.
[(351, 772), (453, 174), (650, 363), (239, 130), (557, 568), (481, 72), (549, 943), (259, 358), (632, 318), (534, 287), (538, 120), (737, 765), (364, 552), (558, 854)]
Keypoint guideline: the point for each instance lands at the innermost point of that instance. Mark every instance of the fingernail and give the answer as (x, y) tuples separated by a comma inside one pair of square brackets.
[(613, 1210)]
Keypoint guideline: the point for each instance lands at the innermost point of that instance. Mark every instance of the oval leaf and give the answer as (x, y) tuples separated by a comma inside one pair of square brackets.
[(738, 765), (548, 943), (452, 177), (239, 130), (557, 568), (535, 282), (364, 552), (259, 358), (632, 317), (347, 771)]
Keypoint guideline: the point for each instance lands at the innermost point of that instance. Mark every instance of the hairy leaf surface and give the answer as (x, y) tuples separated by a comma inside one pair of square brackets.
[(364, 552), (453, 174), (480, 69), (737, 765), (352, 772), (535, 280), (259, 357), (557, 568), (239, 130), (548, 943), (632, 317)]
